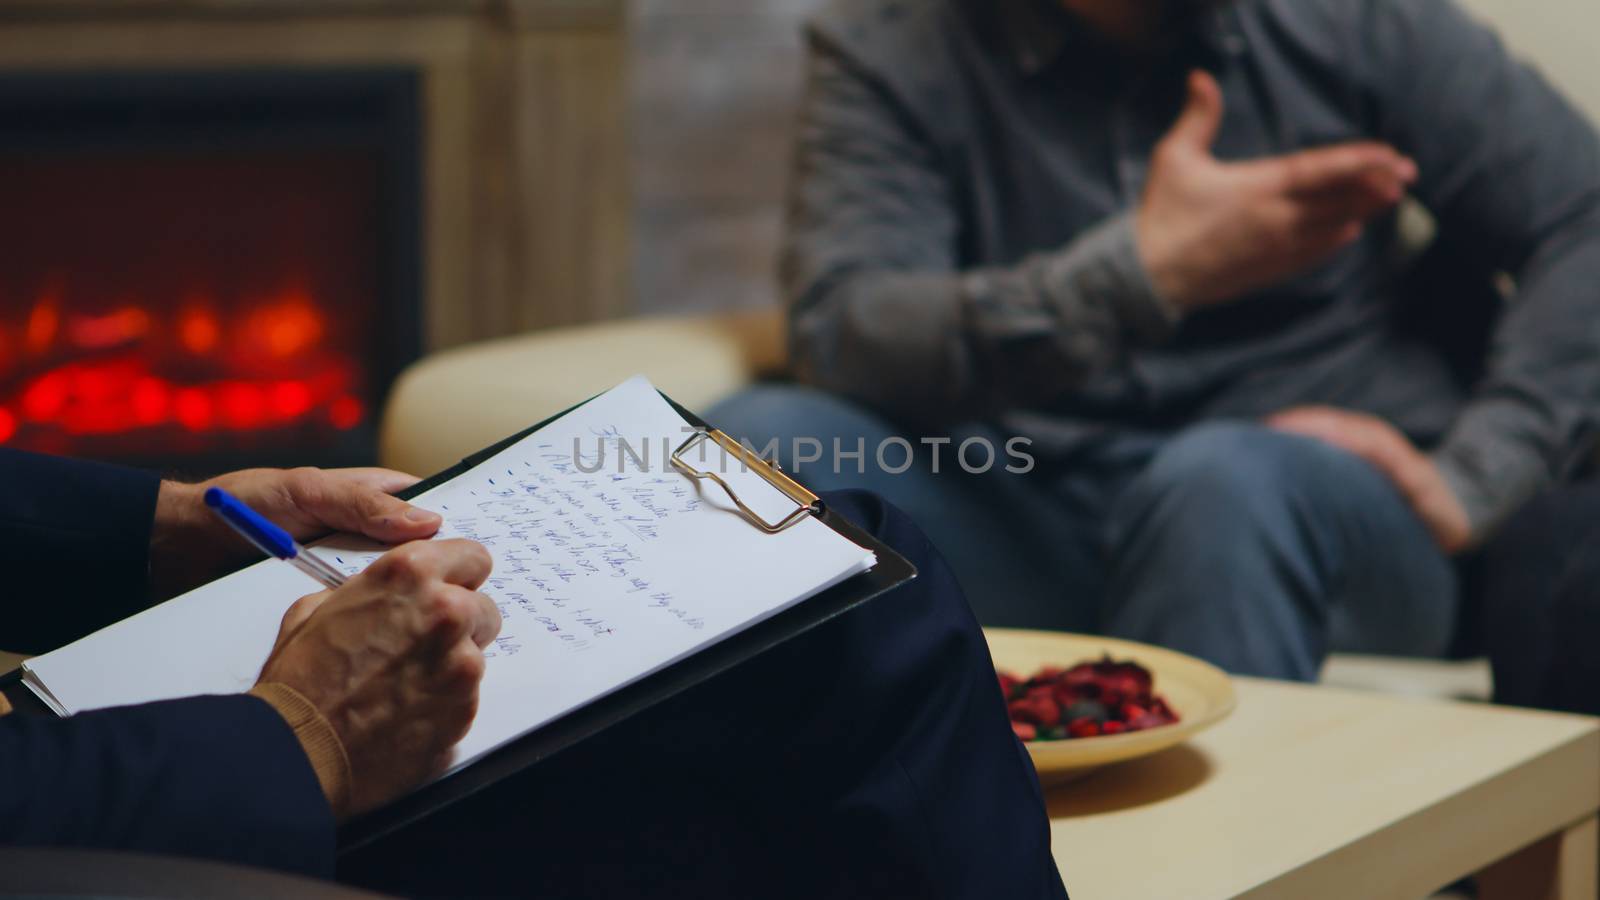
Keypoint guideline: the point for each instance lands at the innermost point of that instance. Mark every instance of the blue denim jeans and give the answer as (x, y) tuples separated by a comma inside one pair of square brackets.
[(1257, 550)]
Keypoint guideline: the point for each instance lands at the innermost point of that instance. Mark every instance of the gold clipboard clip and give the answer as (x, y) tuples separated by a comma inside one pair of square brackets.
[(810, 504)]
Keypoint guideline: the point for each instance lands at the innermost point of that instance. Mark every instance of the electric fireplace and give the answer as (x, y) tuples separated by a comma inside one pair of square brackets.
[(202, 270)]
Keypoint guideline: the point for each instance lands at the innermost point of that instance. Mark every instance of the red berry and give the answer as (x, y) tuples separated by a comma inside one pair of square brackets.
[(1083, 728), (1058, 703), (1047, 711), (1024, 731), (1065, 694)]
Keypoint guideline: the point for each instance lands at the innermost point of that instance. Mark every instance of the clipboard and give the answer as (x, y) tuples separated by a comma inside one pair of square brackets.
[(573, 728)]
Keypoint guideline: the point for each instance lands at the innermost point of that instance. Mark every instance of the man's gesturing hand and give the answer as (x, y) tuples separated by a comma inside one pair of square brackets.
[(190, 545), (1383, 446), (393, 659), (1210, 232)]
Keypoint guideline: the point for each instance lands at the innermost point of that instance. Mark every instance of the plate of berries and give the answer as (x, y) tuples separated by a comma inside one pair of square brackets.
[(1080, 702)]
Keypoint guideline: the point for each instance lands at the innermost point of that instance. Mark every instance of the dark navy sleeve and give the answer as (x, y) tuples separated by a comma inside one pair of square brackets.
[(74, 544), (220, 778)]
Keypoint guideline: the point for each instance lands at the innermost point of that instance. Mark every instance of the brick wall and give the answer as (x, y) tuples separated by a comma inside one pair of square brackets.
[(714, 90)]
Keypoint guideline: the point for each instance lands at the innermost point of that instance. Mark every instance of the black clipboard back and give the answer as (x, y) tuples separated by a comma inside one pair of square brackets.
[(891, 571)]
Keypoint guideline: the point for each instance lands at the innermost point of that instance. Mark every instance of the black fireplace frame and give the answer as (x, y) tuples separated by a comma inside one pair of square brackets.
[(367, 108)]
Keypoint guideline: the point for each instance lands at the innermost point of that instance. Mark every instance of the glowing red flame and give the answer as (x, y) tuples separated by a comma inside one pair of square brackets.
[(345, 413), (114, 329), (196, 308), (198, 330), (288, 327), (43, 321), (110, 373)]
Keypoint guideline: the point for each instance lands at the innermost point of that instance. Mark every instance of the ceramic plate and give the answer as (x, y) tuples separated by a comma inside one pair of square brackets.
[(1200, 693)]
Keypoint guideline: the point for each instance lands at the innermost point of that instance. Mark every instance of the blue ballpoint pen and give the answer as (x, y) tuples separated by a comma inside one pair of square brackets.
[(274, 541)]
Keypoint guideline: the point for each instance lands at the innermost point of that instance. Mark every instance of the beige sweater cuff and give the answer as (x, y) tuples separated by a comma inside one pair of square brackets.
[(317, 737)]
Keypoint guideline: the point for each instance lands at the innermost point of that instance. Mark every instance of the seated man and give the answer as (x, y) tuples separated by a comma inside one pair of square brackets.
[(838, 764), (1150, 349)]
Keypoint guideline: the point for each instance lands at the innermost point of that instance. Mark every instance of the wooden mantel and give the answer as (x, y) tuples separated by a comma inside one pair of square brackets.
[(526, 195), (523, 13)]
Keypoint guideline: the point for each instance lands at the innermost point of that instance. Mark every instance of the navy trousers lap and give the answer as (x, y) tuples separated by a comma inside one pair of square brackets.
[(871, 757)]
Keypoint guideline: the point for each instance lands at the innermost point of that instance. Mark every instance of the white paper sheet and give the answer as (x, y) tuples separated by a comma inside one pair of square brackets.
[(602, 577)]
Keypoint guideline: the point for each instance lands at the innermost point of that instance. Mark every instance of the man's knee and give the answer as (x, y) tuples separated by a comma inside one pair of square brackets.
[(787, 409), (1222, 472)]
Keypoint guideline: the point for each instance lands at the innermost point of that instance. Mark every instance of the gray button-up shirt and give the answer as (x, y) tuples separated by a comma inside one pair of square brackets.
[(960, 242)]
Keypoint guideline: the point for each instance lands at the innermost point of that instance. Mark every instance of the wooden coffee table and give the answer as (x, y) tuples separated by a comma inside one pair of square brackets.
[(1310, 793)]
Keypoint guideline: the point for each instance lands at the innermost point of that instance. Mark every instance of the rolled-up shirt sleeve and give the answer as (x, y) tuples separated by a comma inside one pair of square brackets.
[(881, 309), (1512, 169)]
